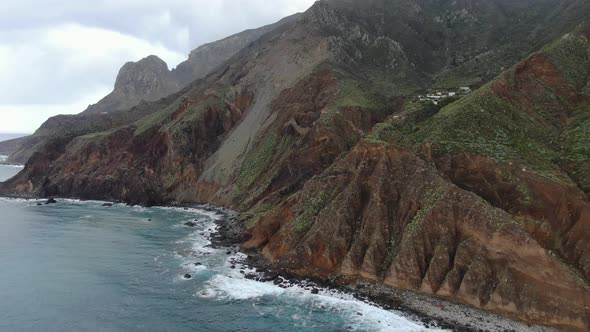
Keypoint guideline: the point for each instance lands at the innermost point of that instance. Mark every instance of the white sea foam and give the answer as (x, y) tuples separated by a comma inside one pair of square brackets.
[(213, 215), (12, 166), (195, 268), (203, 247), (3, 159), (231, 285), (77, 201), (227, 288), (15, 200), (357, 314), (200, 238)]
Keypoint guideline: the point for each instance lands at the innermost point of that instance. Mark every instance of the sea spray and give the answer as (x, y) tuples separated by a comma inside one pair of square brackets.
[(55, 258)]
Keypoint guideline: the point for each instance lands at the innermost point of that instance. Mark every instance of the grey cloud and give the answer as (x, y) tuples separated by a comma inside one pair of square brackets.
[(56, 56), (38, 72), (204, 21)]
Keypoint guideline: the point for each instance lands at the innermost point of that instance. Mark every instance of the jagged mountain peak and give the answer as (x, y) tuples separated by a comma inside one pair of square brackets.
[(147, 80), (145, 77)]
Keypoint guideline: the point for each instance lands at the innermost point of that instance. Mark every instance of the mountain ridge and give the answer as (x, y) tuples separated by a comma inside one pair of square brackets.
[(149, 80), (316, 134)]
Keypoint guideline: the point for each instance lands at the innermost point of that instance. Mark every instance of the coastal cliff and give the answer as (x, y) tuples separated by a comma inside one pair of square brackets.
[(316, 134)]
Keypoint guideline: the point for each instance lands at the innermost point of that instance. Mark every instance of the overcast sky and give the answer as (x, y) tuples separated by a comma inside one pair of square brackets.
[(59, 56)]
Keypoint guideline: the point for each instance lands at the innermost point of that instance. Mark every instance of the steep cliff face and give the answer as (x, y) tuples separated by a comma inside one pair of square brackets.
[(210, 123), (202, 60), (8, 147), (146, 80), (314, 133), (530, 153), (486, 202), (385, 215)]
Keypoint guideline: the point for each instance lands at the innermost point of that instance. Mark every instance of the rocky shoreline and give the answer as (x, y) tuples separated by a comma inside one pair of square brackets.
[(431, 311)]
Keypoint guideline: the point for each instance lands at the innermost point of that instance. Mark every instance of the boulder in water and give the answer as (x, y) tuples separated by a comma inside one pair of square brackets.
[(269, 276), (190, 224), (187, 276), (51, 201), (107, 204)]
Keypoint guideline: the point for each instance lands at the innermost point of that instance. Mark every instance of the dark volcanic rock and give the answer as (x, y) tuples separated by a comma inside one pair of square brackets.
[(51, 201), (190, 224)]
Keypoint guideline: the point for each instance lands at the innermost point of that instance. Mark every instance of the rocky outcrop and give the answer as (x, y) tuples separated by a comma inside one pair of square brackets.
[(150, 79), (146, 80), (204, 59), (8, 147)]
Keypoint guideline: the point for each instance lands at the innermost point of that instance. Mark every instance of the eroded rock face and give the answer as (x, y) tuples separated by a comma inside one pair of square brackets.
[(143, 78), (313, 133), (385, 215), (204, 59), (148, 79), (556, 215), (136, 165)]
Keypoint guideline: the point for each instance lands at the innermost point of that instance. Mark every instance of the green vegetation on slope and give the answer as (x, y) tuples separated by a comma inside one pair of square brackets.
[(252, 216), (398, 128), (536, 136), (578, 149), (311, 207), (571, 57), (484, 124), (350, 95), (258, 160)]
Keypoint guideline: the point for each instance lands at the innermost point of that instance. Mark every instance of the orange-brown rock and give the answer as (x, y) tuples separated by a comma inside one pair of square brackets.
[(385, 215)]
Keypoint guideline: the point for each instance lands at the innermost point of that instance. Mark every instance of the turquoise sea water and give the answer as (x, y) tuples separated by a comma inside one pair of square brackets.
[(79, 266), (8, 171)]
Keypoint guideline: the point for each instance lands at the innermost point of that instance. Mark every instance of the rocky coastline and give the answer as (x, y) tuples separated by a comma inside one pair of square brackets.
[(431, 311)]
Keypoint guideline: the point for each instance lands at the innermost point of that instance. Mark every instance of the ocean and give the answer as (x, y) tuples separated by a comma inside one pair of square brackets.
[(81, 266), (6, 137), (8, 171)]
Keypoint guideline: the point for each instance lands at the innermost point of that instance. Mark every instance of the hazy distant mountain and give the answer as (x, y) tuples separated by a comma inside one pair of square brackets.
[(316, 134), (10, 143), (146, 80), (9, 136), (150, 79)]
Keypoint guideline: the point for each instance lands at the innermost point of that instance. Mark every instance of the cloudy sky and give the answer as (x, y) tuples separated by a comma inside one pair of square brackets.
[(59, 56)]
